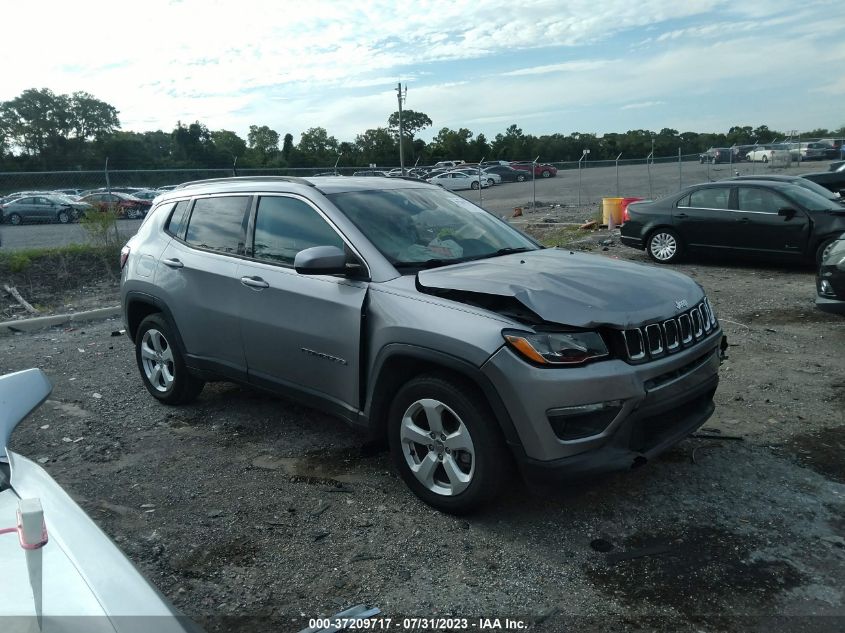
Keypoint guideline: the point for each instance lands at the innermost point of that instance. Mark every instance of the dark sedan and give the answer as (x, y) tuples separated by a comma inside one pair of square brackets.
[(830, 283), (508, 174), (750, 217), (833, 178)]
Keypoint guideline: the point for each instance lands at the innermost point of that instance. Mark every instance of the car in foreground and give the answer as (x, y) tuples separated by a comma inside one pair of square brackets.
[(124, 204), (508, 173), (60, 571), (832, 179), (796, 180), (544, 170), (458, 180), (764, 218), (830, 282), (44, 208), (423, 320)]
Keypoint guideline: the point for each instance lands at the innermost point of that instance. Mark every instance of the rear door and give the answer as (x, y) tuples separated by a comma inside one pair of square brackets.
[(703, 218), (299, 331), (759, 228), (197, 274)]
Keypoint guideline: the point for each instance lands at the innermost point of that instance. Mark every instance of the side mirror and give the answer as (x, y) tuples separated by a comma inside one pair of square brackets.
[(320, 260), (787, 213)]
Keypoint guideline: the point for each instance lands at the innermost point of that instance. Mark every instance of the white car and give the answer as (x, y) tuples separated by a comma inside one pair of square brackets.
[(768, 153), (455, 180), (490, 177)]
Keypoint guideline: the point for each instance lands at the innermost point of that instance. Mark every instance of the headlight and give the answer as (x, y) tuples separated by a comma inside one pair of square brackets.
[(557, 348)]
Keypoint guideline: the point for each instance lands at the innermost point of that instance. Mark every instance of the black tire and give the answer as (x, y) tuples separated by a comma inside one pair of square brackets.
[(63, 217), (820, 251), (475, 184), (520, 178), (546, 173), (491, 182), (664, 246), (156, 335), (765, 159), (15, 219), (488, 459)]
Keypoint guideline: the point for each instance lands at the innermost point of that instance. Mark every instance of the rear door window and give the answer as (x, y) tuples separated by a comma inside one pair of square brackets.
[(284, 226), (219, 224), (710, 198)]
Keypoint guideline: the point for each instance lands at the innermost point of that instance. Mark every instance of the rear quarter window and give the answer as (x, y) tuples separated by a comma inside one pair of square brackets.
[(219, 224)]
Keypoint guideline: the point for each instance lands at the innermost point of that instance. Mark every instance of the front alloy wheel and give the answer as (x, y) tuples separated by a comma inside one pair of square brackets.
[(437, 447), (162, 366), (157, 360), (663, 246), (446, 444)]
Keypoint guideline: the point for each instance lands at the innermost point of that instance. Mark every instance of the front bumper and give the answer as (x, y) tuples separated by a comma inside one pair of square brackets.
[(830, 304), (662, 402)]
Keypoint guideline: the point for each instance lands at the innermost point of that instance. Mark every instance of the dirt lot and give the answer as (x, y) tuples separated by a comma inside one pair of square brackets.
[(247, 505)]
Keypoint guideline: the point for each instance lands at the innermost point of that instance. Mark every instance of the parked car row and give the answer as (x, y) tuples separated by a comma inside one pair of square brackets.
[(68, 205), (823, 149)]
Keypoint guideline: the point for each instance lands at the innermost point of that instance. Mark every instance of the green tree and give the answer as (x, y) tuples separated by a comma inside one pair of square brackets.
[(192, 144), (451, 144), (91, 118), (264, 141), (317, 148), (228, 145), (287, 146), (377, 146), (36, 119)]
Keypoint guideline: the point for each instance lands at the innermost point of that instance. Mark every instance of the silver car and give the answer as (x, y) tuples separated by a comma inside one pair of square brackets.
[(426, 322)]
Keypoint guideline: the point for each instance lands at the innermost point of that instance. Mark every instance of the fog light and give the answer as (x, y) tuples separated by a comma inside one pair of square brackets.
[(572, 423), (825, 288)]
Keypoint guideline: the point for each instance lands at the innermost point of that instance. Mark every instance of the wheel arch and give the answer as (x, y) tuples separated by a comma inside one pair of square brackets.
[(397, 364), (138, 306)]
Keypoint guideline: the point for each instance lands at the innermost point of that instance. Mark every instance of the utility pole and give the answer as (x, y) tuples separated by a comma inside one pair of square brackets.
[(401, 95)]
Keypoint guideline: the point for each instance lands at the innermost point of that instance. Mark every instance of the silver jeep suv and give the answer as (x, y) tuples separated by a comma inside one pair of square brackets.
[(425, 321)]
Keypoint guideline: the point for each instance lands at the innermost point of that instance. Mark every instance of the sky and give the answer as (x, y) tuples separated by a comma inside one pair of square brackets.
[(547, 66)]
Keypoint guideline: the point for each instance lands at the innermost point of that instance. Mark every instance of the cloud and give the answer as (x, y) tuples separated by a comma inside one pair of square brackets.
[(564, 67), (642, 104)]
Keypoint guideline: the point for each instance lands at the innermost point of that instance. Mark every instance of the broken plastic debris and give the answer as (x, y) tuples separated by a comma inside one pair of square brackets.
[(97, 395)]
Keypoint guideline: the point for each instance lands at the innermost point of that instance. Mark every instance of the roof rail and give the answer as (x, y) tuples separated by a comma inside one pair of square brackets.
[(208, 181)]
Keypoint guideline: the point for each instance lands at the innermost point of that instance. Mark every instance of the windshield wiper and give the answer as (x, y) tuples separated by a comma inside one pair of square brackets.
[(428, 263)]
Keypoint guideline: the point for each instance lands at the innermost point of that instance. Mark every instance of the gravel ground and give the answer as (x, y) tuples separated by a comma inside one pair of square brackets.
[(243, 504)]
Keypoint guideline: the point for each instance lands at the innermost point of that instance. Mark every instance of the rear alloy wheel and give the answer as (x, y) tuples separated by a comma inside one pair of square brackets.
[(15, 219), (491, 182), (161, 364), (520, 178), (475, 184), (446, 444), (664, 246), (546, 173), (63, 217)]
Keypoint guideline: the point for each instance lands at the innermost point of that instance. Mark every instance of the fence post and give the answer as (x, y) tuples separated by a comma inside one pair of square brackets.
[(648, 160), (108, 183), (480, 195), (534, 183), (680, 171), (617, 174)]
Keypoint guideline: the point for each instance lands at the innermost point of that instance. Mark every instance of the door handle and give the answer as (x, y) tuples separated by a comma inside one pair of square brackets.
[(172, 263), (744, 221), (681, 216), (254, 282)]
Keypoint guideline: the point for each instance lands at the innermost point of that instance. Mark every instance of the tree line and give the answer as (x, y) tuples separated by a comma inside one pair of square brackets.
[(41, 130)]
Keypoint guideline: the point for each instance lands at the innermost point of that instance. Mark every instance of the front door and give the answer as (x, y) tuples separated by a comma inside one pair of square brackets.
[(299, 331), (759, 228)]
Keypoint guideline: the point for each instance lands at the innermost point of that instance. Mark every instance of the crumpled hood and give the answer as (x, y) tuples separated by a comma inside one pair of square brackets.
[(569, 288)]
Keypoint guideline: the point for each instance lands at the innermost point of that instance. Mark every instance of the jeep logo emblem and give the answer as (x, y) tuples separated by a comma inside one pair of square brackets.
[(682, 304)]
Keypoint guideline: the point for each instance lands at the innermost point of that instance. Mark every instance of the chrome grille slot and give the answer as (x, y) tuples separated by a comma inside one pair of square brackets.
[(670, 332), (686, 328), (634, 344), (654, 340), (705, 317), (697, 330)]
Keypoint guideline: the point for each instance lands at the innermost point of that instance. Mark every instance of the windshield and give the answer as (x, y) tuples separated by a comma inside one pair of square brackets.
[(816, 188), (420, 227), (810, 200)]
